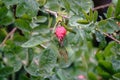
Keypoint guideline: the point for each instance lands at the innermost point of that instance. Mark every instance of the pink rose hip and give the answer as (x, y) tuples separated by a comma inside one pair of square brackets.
[(60, 33)]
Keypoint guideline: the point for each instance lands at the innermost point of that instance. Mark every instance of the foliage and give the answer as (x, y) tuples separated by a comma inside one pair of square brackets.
[(29, 49)]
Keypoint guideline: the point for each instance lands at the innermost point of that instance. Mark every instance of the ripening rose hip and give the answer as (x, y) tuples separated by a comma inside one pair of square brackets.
[(60, 33)]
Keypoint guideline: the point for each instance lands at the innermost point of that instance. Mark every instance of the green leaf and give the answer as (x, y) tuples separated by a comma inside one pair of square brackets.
[(42, 2), (116, 49), (75, 39), (52, 5), (117, 10), (113, 25), (24, 7), (60, 74), (91, 15), (41, 19), (95, 16), (3, 12), (108, 26), (32, 10), (44, 63), (54, 77), (10, 2), (110, 12), (6, 71), (76, 6), (116, 76), (30, 55), (23, 25), (42, 29), (92, 76), (99, 56), (12, 55), (34, 41), (100, 38), (18, 39), (67, 5), (73, 20), (83, 21), (107, 51), (2, 34), (7, 20), (86, 15), (103, 73), (107, 66), (116, 65), (63, 75), (20, 10), (48, 58)]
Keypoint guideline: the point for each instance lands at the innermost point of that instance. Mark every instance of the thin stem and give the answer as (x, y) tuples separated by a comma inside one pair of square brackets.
[(56, 14), (110, 36), (52, 12), (9, 34), (102, 6)]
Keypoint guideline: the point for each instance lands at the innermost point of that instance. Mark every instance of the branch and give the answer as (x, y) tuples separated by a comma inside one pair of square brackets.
[(52, 12), (110, 36), (100, 7), (93, 9), (9, 34), (56, 14)]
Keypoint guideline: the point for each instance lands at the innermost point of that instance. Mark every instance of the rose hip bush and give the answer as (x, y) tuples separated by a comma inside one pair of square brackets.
[(56, 40)]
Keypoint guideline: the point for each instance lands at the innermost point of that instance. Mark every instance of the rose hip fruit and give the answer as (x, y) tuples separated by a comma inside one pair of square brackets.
[(60, 33)]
